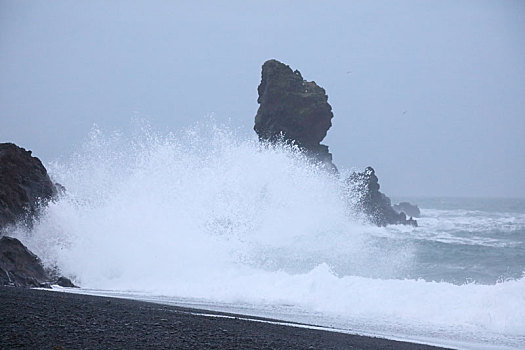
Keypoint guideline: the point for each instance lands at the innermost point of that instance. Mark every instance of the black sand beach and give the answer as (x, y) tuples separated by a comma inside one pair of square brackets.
[(39, 319)]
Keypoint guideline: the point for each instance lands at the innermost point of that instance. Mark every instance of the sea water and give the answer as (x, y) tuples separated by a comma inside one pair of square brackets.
[(206, 218)]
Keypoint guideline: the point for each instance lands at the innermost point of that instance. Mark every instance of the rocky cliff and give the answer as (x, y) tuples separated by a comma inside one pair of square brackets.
[(24, 185)]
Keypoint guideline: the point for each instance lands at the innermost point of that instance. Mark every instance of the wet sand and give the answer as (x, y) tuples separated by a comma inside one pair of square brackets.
[(40, 319)]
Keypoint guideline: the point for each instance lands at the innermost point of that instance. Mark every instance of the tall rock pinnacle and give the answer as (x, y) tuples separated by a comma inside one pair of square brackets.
[(294, 110)]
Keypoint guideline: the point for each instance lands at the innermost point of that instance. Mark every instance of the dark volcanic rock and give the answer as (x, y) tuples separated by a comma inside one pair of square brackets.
[(293, 110), (297, 112), (19, 267), (24, 184), (375, 204), (65, 282), (407, 208)]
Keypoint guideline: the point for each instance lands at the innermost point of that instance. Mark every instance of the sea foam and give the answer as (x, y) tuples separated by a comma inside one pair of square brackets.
[(208, 214)]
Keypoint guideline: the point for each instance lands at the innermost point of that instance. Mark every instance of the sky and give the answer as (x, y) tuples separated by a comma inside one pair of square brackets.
[(429, 93)]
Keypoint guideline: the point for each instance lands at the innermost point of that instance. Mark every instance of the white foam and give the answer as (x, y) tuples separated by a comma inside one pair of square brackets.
[(207, 215)]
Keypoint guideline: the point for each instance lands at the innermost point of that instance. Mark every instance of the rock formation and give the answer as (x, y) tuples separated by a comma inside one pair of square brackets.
[(297, 112), (293, 110), (19, 267), (375, 204), (65, 282), (24, 185), (408, 209)]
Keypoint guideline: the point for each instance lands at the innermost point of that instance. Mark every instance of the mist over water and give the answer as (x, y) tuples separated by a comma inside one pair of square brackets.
[(206, 214)]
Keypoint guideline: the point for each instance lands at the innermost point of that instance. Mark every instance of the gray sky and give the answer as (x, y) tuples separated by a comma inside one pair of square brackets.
[(430, 93)]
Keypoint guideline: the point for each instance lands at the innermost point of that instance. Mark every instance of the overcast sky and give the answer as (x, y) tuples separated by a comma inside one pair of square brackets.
[(430, 93)]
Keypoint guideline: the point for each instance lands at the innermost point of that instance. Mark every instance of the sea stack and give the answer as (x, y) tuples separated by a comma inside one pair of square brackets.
[(372, 202), (294, 111)]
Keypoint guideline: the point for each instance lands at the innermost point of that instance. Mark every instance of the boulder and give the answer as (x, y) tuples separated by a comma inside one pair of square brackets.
[(364, 187), (408, 209), (19, 267), (65, 282), (294, 111), (24, 185)]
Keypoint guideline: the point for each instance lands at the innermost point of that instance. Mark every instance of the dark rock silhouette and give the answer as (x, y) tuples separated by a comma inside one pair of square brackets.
[(375, 204), (24, 185), (19, 267), (293, 110), (297, 112), (65, 282), (408, 209)]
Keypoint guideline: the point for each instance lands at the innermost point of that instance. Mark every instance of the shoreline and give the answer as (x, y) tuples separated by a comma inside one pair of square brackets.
[(35, 318), (244, 312)]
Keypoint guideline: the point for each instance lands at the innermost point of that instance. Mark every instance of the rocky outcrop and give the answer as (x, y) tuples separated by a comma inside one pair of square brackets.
[(374, 204), (408, 209), (294, 111), (19, 267), (65, 282), (24, 185)]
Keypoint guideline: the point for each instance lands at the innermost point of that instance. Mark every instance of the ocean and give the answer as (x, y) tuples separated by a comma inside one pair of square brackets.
[(205, 218)]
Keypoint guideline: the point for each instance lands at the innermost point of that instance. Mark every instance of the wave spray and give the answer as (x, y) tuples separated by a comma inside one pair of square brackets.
[(207, 214)]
